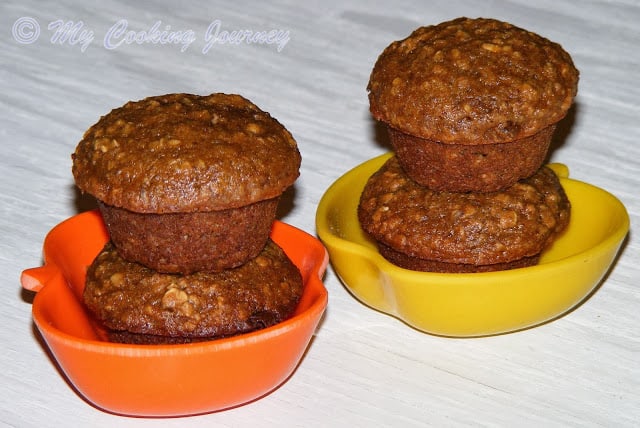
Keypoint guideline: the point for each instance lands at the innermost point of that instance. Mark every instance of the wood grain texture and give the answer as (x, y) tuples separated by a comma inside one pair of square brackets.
[(363, 368)]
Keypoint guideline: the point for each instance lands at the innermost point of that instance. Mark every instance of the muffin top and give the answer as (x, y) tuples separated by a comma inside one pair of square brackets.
[(471, 228), (186, 153), (472, 81), (128, 296)]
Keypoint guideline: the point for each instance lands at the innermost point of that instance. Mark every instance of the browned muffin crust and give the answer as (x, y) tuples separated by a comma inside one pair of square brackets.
[(121, 336), (127, 296), (191, 242), (470, 168), (186, 153), (424, 265), (464, 228), (472, 81)]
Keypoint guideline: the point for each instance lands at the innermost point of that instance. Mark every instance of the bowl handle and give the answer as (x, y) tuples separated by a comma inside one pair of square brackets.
[(34, 279)]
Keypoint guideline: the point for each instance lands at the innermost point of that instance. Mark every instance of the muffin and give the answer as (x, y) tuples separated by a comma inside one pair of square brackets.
[(471, 104), (187, 183), (422, 229), (140, 305)]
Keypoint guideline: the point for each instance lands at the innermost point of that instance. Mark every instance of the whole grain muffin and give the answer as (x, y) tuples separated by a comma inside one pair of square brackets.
[(472, 104), (141, 305), (187, 182), (422, 229)]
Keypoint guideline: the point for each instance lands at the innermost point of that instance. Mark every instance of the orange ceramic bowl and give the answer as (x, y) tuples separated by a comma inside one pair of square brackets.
[(166, 380)]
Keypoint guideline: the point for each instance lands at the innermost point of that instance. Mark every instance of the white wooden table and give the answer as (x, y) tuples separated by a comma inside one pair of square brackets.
[(363, 368)]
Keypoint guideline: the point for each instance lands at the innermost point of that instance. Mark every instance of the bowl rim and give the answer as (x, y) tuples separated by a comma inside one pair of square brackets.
[(55, 278), (332, 240)]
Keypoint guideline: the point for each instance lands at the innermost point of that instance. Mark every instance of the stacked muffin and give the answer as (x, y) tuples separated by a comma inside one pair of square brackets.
[(188, 187), (470, 106)]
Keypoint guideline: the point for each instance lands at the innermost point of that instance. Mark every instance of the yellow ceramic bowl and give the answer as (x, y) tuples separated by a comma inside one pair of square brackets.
[(474, 304)]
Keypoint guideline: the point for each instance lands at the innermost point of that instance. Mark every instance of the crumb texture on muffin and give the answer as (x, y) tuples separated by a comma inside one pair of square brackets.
[(472, 81), (189, 242), (470, 168), (467, 228), (186, 153), (425, 265), (127, 296)]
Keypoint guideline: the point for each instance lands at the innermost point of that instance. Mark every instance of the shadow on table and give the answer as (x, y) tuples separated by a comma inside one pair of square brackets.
[(563, 129)]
